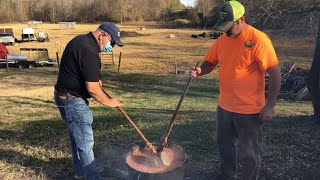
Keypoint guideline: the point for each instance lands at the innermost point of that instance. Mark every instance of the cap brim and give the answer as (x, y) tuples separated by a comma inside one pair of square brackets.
[(223, 25), (117, 40)]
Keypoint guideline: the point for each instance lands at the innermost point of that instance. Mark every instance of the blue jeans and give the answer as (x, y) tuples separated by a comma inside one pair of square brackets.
[(78, 117)]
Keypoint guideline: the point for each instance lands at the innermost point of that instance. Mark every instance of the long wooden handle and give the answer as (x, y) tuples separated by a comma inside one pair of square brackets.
[(149, 145), (164, 138)]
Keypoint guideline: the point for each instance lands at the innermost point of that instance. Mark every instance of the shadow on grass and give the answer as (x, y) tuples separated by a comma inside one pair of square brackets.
[(162, 84), (24, 100), (37, 144), (35, 77), (290, 149), (57, 168)]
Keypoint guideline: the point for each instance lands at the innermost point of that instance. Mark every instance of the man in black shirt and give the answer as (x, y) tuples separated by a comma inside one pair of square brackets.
[(78, 80)]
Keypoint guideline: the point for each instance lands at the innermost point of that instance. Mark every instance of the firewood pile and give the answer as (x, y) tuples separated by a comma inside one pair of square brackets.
[(295, 83)]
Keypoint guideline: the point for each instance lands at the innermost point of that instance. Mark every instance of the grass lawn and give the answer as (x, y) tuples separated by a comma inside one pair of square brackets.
[(34, 141)]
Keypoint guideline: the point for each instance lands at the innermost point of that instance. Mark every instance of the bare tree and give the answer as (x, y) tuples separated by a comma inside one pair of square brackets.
[(124, 6), (135, 9), (7, 11), (84, 10), (273, 14), (117, 10), (174, 5), (68, 10), (206, 11), (155, 9), (21, 9), (285, 14)]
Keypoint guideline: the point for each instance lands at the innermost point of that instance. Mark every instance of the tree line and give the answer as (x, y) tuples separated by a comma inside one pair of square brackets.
[(271, 14), (85, 10)]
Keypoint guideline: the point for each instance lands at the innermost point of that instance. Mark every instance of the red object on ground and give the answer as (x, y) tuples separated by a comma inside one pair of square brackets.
[(3, 51)]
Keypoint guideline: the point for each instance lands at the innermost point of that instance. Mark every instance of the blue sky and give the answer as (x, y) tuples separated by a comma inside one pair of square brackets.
[(188, 2)]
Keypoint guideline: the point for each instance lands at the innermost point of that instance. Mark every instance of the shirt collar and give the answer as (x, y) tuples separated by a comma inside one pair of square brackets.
[(94, 41)]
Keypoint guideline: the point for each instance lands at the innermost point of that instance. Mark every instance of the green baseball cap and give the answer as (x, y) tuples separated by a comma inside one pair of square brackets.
[(229, 12)]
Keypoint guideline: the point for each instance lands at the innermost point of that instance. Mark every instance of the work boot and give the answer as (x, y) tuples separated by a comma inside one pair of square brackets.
[(316, 117), (76, 176), (222, 177), (99, 168)]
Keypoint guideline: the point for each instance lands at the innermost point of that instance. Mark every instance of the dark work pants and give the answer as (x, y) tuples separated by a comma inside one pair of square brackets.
[(315, 94), (315, 78), (238, 129)]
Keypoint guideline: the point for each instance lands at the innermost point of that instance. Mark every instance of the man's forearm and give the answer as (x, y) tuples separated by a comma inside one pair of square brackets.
[(96, 92), (206, 68), (274, 84), (100, 97)]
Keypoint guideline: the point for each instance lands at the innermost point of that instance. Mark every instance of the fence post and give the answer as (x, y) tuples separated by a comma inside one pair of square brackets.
[(7, 64), (119, 61), (57, 54), (113, 57), (176, 65)]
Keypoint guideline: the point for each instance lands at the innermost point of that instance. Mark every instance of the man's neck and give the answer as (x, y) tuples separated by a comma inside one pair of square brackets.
[(96, 35), (243, 28)]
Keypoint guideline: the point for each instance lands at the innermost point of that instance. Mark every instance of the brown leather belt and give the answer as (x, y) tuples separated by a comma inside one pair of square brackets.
[(62, 94)]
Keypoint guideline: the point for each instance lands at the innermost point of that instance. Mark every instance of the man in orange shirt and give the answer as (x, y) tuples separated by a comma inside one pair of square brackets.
[(244, 55)]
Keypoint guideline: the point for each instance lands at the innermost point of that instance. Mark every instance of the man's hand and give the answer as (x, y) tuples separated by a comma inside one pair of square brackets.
[(113, 103), (266, 113), (194, 72), (205, 68), (96, 92)]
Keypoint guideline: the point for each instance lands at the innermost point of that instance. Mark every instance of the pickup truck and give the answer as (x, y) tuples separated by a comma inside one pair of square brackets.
[(7, 38)]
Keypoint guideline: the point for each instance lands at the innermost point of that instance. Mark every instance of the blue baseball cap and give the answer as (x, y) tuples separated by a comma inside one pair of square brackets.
[(113, 30)]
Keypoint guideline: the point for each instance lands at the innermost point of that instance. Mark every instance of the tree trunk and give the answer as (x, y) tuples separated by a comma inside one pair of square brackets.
[(315, 78)]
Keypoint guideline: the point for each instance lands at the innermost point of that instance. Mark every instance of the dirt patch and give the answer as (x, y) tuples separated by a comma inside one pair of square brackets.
[(132, 34), (112, 158)]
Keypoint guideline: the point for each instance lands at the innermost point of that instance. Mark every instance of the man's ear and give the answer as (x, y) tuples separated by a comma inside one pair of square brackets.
[(100, 35), (242, 19)]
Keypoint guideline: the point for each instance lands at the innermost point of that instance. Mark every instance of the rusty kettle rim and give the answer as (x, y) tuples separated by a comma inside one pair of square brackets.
[(142, 159)]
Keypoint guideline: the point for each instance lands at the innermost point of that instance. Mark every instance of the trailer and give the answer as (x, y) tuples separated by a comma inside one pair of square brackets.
[(17, 60), (28, 58), (28, 34), (39, 55)]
